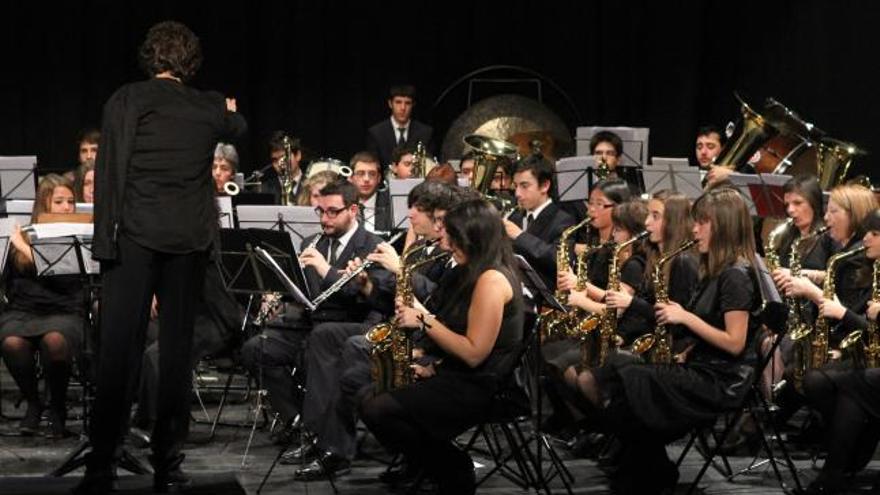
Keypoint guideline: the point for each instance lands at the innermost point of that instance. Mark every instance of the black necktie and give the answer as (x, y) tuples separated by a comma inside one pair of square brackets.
[(529, 219), (334, 244), (401, 137)]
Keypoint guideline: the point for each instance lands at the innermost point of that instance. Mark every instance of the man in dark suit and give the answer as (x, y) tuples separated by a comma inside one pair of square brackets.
[(342, 315), (400, 129), (536, 226), (269, 178), (375, 204)]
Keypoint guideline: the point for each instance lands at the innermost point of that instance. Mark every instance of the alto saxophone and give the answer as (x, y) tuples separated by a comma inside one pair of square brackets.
[(865, 345), (553, 322), (819, 342), (771, 249), (608, 337), (795, 326), (391, 345), (659, 343)]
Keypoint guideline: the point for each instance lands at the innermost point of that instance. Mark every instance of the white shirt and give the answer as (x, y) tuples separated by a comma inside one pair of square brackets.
[(537, 211), (396, 126), (369, 206)]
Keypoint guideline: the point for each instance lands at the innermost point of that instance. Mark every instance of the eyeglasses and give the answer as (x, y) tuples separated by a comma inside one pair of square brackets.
[(330, 212), (372, 174)]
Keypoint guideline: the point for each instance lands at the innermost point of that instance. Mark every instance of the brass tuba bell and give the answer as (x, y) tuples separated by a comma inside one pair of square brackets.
[(490, 154), (755, 132)]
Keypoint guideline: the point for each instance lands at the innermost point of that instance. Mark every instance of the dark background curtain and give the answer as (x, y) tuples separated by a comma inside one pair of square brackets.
[(321, 69)]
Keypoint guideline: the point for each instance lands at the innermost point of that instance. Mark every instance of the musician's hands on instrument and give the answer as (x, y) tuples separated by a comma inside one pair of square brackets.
[(781, 277), (386, 256), (831, 308), (312, 257), (670, 313), (802, 287), (407, 316), (362, 278), (513, 230), (565, 280), (873, 310), (717, 174), (618, 299)]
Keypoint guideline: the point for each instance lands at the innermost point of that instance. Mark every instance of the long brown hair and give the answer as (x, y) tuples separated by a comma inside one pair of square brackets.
[(42, 204), (733, 236), (677, 226)]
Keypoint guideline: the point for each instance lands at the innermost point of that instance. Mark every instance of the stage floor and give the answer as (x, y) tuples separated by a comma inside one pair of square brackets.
[(23, 461)]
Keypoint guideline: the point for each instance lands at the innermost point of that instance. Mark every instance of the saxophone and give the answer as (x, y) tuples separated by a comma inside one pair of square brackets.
[(553, 322), (659, 343), (608, 336), (818, 344), (286, 174), (795, 326), (391, 351), (865, 345), (771, 249)]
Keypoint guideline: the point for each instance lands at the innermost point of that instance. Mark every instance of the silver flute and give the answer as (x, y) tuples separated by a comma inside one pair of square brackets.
[(348, 277)]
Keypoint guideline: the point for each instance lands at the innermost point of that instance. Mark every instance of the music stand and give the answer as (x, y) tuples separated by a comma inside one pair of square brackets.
[(744, 183), (18, 209), (399, 190), (570, 174), (298, 221), (243, 271), (65, 249), (674, 174), (224, 207), (542, 297), (17, 177), (770, 199)]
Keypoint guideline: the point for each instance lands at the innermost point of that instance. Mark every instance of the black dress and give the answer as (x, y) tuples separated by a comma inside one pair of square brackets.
[(669, 400), (452, 401)]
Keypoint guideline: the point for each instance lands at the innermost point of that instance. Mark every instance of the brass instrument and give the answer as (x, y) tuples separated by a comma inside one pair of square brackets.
[(608, 336), (603, 171), (817, 355), (419, 164), (553, 323), (864, 345), (756, 130), (659, 343), (771, 249), (285, 174), (490, 153), (833, 160), (391, 346), (795, 326)]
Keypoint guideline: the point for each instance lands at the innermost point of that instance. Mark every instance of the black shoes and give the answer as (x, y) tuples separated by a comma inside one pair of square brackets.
[(97, 480), (168, 476), (57, 424), (30, 424), (304, 453), (327, 465)]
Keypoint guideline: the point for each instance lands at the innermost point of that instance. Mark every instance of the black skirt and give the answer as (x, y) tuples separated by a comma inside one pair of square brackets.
[(17, 323)]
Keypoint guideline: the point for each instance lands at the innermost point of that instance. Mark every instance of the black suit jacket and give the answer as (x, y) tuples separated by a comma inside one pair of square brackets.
[(269, 183), (382, 139), (538, 243), (347, 304)]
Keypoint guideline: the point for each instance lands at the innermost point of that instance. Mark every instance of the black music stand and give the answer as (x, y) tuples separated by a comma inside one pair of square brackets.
[(298, 221), (542, 296), (72, 255)]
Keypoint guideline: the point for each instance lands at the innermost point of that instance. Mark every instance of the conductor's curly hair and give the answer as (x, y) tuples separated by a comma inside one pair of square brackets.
[(171, 47)]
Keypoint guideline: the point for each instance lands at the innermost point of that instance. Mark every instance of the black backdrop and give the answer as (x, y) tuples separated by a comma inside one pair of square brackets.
[(321, 68)]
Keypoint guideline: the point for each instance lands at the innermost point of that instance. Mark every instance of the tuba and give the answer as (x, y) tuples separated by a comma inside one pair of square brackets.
[(659, 343), (864, 346), (816, 355), (491, 153), (756, 130), (609, 339), (391, 345)]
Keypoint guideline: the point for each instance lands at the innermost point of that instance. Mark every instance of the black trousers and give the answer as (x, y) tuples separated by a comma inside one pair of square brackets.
[(129, 284)]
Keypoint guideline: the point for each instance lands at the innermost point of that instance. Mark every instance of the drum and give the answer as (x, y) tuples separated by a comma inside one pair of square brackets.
[(328, 164)]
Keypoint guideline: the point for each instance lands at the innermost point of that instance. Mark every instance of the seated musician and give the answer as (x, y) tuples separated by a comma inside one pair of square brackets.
[(375, 203), (84, 182), (709, 143), (269, 176), (849, 400), (466, 166), (44, 315), (332, 417), (477, 323), (224, 167), (648, 405), (402, 163), (346, 313), (535, 227), (310, 193)]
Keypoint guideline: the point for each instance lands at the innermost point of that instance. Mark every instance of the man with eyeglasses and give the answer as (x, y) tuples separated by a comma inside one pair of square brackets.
[(375, 205), (345, 313)]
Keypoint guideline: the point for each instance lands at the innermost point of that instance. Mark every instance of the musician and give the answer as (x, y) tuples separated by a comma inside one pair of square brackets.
[(346, 313), (402, 163), (44, 314), (478, 324), (269, 176), (331, 416), (310, 193), (224, 167), (400, 129), (466, 166), (375, 204), (649, 405), (155, 226), (536, 225), (669, 225), (848, 400), (443, 173), (848, 206), (87, 145), (84, 183), (709, 144)]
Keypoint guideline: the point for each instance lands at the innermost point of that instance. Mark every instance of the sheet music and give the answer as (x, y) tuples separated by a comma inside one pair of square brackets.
[(291, 287), (52, 230)]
